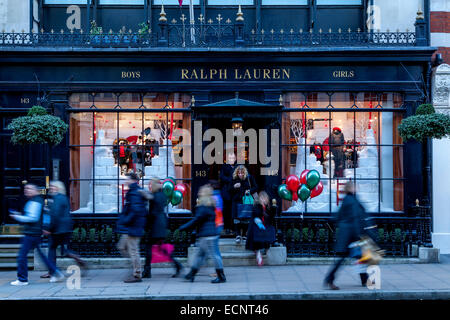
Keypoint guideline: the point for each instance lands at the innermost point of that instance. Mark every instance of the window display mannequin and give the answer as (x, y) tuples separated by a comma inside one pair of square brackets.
[(337, 149), (317, 149), (123, 154)]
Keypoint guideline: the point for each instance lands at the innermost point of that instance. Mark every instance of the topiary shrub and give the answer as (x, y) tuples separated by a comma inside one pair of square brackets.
[(425, 124), (37, 127), (425, 109)]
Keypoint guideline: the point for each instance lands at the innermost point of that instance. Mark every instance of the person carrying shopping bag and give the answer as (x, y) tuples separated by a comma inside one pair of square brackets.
[(261, 232), (157, 225), (207, 235), (242, 189)]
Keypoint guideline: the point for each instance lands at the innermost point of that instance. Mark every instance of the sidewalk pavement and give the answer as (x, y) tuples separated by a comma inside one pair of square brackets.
[(398, 281)]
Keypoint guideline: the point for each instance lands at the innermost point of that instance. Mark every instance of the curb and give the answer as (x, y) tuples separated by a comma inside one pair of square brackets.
[(332, 295)]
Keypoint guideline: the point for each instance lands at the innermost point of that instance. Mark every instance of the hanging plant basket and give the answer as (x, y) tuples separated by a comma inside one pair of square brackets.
[(38, 127), (425, 124)]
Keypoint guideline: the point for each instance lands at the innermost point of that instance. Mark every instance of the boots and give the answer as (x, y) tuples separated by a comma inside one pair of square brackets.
[(220, 277), (178, 268), (147, 272), (364, 277), (191, 275)]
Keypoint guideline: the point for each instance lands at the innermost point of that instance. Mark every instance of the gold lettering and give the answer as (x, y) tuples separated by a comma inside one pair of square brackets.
[(276, 73), (224, 73), (286, 73), (138, 74), (237, 76), (212, 73), (352, 74), (344, 74), (266, 74), (184, 74), (203, 76), (124, 74), (194, 74), (257, 74), (247, 74)]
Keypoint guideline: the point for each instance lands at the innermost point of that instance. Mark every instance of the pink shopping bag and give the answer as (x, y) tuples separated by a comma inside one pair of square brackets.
[(161, 253)]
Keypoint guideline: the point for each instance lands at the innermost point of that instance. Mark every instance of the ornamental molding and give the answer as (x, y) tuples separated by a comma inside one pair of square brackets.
[(441, 89)]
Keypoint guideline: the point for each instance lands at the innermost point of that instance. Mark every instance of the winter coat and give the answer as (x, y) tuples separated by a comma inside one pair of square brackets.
[(157, 219), (226, 177), (259, 212), (133, 217), (248, 183), (60, 220), (204, 220), (34, 228), (350, 221)]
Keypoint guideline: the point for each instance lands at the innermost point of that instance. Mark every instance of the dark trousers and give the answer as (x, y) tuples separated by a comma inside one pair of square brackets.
[(30, 243), (227, 215), (62, 240), (331, 274)]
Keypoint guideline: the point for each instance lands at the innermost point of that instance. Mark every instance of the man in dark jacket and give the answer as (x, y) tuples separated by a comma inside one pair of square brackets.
[(351, 222), (60, 225), (32, 220), (226, 177), (131, 225)]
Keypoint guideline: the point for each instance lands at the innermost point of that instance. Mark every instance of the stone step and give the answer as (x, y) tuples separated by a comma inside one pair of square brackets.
[(11, 247), (10, 257), (10, 238), (13, 265), (11, 229)]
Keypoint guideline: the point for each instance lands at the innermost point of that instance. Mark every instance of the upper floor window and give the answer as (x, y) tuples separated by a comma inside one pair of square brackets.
[(65, 1), (284, 2), (339, 2), (230, 2), (121, 2), (175, 2)]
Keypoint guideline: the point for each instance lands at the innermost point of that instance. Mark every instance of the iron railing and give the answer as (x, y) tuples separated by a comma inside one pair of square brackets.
[(310, 236), (220, 35)]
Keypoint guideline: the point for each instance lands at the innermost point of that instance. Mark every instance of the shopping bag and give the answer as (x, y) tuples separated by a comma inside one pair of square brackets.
[(244, 211), (264, 235), (371, 252), (161, 253), (247, 198)]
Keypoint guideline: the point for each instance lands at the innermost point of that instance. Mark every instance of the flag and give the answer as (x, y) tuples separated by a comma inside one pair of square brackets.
[(180, 2)]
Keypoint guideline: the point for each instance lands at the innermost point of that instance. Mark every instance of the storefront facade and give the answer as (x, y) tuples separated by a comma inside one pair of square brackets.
[(147, 110)]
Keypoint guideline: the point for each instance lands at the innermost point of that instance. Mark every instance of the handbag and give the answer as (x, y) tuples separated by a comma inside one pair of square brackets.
[(264, 235), (244, 211), (162, 253), (371, 252)]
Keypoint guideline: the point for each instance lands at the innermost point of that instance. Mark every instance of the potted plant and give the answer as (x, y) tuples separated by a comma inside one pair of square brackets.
[(144, 32), (95, 32), (38, 127)]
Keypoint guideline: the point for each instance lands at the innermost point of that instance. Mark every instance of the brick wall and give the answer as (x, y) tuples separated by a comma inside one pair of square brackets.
[(440, 33)]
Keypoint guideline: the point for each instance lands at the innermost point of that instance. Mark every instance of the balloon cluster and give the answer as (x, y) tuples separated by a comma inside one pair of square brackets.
[(307, 186), (174, 192)]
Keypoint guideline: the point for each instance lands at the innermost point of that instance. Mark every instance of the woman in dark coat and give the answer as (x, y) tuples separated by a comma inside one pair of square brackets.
[(226, 177), (351, 222), (243, 183), (59, 227), (262, 218), (157, 225)]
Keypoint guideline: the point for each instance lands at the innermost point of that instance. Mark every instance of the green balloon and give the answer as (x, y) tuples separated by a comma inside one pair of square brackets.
[(303, 193), (284, 192), (177, 197), (312, 179), (168, 188)]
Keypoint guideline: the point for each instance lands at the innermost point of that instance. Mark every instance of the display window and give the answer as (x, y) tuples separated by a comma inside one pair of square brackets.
[(345, 136), (112, 135)]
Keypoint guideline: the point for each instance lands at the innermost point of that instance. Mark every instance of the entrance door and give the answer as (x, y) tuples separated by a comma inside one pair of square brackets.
[(17, 165), (203, 173)]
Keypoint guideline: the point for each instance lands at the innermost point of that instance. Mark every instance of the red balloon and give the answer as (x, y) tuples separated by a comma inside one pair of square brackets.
[(292, 182), (317, 190), (294, 196), (181, 188), (303, 176)]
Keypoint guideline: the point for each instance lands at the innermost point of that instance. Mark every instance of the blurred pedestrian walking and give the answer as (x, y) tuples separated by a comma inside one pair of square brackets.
[(261, 232), (32, 219), (156, 227), (350, 221), (131, 225), (207, 235), (59, 228)]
